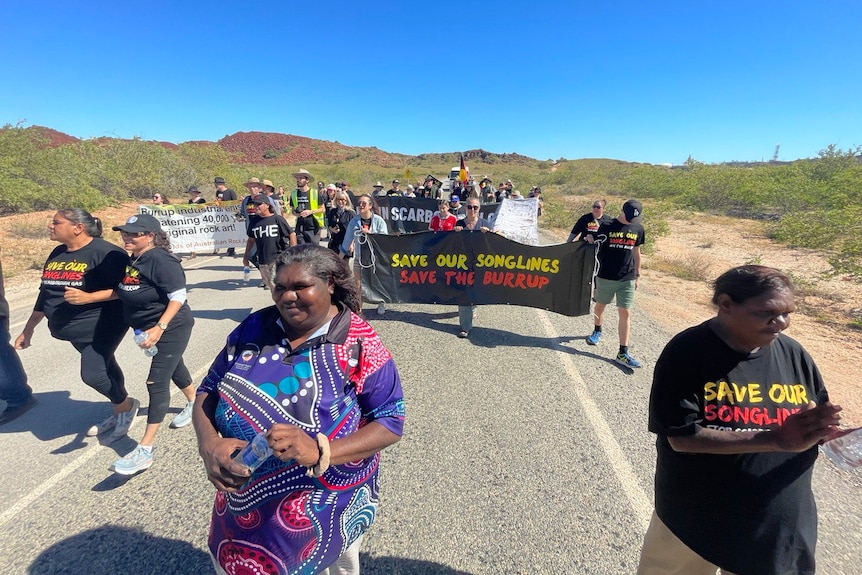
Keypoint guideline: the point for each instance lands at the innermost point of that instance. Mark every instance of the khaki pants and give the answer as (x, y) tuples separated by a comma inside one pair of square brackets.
[(664, 554)]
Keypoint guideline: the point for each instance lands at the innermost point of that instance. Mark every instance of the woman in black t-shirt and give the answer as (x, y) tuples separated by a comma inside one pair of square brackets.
[(153, 292), (75, 292)]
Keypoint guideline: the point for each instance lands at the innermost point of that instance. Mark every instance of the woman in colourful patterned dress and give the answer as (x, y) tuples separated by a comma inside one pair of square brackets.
[(315, 377)]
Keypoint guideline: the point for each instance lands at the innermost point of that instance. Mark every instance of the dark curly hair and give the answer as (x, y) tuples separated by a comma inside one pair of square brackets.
[(328, 266)]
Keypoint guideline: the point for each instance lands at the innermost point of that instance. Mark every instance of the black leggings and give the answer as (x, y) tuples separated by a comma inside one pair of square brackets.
[(168, 365), (99, 367)]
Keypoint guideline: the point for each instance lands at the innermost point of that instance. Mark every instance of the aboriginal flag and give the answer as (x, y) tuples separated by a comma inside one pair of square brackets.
[(462, 173)]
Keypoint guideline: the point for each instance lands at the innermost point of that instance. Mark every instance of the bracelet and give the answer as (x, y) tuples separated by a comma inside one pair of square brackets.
[(324, 454)]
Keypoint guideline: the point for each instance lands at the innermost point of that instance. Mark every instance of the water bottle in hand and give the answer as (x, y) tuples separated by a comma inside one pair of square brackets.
[(246, 274), (254, 453), (141, 337), (845, 451)]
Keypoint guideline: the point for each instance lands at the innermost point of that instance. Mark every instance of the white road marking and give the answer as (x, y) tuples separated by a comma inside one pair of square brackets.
[(641, 504), (89, 453)]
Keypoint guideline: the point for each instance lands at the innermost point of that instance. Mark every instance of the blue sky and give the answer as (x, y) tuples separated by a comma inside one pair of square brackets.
[(637, 81)]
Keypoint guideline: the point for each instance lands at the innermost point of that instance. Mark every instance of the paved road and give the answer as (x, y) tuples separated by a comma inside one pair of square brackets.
[(525, 451)]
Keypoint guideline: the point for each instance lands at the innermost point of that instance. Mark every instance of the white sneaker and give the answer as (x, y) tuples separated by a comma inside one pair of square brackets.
[(184, 417), (102, 426), (125, 419), (138, 460), (381, 308)]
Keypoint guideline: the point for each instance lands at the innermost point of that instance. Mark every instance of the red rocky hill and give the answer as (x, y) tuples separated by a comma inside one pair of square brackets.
[(276, 149)]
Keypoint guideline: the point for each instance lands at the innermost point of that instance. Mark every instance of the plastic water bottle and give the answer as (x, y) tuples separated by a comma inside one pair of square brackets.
[(246, 274), (254, 453), (845, 451), (141, 337)]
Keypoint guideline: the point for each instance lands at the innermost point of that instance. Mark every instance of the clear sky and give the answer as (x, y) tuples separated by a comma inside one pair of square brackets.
[(644, 81)]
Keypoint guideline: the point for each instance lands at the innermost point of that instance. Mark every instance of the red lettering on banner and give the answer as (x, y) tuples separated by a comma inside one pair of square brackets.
[(420, 277), (460, 278), (513, 280)]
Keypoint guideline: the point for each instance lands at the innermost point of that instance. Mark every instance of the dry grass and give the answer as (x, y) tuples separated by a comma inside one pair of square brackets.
[(693, 266)]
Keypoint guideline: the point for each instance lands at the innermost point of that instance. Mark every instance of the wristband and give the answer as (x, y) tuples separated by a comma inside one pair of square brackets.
[(324, 454)]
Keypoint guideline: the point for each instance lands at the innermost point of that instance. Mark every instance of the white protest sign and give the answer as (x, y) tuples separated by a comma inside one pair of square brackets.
[(199, 227), (518, 220)]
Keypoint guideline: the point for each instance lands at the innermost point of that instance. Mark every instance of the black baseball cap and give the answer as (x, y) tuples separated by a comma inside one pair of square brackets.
[(632, 209), (140, 223)]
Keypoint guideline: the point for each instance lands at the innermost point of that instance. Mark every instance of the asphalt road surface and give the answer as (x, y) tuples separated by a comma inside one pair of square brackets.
[(525, 451)]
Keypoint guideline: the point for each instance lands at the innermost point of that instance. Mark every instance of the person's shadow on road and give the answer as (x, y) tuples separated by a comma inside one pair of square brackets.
[(112, 549), (115, 549)]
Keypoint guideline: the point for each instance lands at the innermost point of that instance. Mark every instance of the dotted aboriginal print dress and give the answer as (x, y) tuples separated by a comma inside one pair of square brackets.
[(281, 521)]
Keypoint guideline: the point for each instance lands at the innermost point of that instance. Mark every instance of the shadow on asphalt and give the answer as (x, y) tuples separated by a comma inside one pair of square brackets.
[(400, 566), (235, 314), (492, 337), (115, 549)]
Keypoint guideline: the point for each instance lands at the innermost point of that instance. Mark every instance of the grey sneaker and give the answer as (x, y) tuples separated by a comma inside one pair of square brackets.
[(125, 419), (102, 426), (184, 417), (381, 308), (138, 460)]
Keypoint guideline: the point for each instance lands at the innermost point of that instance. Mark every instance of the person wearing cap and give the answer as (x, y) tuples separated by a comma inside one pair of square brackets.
[(153, 294), (410, 192), (396, 189), (269, 192), (224, 194), (378, 189), (432, 187), (345, 187), (455, 207), (619, 263), (329, 204), (270, 235), (309, 207), (77, 297), (487, 191), (195, 196)]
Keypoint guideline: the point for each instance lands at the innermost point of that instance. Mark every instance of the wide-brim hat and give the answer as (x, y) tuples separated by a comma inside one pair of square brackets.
[(193, 190), (268, 183), (303, 173), (218, 180), (252, 182), (140, 223), (379, 184)]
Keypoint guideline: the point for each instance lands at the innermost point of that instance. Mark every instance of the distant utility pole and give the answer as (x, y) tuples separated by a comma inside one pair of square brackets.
[(775, 155)]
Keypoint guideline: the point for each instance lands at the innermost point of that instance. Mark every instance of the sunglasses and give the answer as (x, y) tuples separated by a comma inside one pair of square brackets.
[(133, 234), (597, 206), (363, 204), (472, 207)]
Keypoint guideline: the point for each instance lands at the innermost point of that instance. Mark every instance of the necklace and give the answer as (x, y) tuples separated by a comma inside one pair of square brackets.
[(135, 261)]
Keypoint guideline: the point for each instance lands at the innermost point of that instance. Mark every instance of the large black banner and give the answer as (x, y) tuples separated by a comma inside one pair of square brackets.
[(408, 215), (464, 268)]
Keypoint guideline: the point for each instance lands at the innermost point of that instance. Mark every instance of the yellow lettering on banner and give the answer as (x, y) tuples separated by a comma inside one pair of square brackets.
[(409, 260), (452, 261)]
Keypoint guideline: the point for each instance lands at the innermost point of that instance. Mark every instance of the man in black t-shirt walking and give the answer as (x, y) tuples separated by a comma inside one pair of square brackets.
[(270, 234), (619, 270), (224, 194)]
